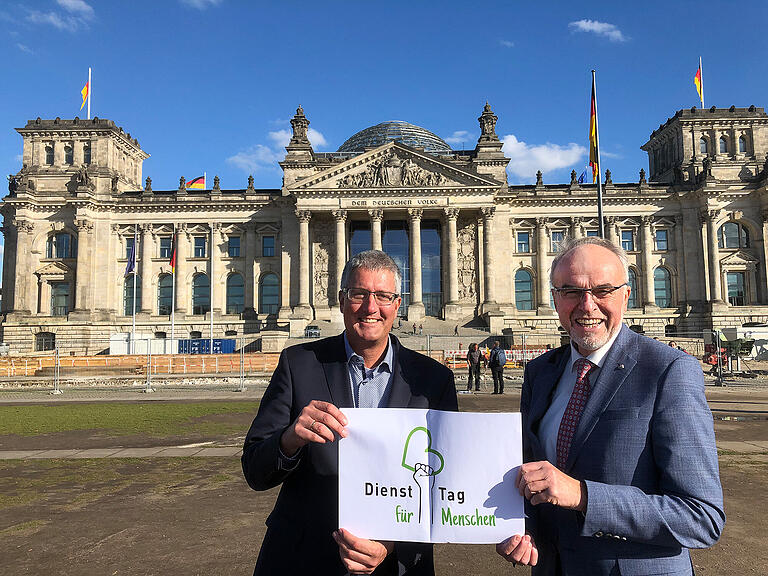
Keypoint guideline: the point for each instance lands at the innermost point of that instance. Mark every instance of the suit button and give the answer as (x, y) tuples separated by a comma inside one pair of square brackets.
[(598, 534), (623, 537)]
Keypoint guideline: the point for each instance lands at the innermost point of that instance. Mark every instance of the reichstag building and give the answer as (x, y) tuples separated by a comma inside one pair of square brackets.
[(471, 246)]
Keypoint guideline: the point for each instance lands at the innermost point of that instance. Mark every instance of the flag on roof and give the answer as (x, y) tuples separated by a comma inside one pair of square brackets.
[(197, 183), (583, 176), (699, 85), (593, 154), (84, 93)]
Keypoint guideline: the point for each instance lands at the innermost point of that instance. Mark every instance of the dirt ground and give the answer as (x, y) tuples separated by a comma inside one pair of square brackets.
[(187, 516)]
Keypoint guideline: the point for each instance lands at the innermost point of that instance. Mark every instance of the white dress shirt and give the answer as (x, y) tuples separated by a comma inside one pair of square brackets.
[(550, 423)]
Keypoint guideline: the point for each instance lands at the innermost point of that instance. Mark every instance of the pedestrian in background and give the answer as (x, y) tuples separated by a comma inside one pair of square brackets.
[(496, 364), (474, 357)]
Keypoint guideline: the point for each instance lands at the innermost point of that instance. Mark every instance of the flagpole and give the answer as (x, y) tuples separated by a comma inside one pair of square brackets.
[(701, 79), (600, 220), (173, 287), (133, 327), (90, 89), (205, 180), (210, 292)]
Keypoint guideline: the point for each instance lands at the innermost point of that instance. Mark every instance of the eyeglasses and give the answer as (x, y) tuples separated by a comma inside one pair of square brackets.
[(360, 294), (598, 292)]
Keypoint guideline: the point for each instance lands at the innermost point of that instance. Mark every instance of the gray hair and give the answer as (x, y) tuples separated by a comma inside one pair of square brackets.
[(371, 260), (572, 243)]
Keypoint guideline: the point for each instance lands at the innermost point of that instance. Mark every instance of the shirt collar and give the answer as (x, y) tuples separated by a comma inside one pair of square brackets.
[(598, 356), (385, 364)]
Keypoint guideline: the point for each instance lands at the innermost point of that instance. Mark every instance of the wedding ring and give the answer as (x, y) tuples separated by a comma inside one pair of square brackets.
[(312, 426)]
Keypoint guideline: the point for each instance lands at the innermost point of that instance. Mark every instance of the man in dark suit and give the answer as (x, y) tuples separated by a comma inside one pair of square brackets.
[(292, 439), (621, 472)]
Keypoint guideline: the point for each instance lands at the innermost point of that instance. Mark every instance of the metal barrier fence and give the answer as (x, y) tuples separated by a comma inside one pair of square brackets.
[(141, 362)]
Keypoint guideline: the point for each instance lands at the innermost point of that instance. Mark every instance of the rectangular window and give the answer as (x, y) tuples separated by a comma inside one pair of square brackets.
[(165, 247), (592, 233), (735, 288), (233, 247), (268, 246), (129, 247), (523, 242), (661, 240), (627, 241), (558, 237), (200, 245)]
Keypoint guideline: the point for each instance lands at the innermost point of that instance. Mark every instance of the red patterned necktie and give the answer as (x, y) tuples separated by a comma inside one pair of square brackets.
[(573, 411)]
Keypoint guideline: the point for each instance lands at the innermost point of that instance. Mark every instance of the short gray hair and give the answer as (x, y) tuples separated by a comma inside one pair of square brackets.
[(572, 243), (371, 260)]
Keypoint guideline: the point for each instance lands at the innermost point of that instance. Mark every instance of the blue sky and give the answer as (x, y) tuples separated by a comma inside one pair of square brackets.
[(209, 85)]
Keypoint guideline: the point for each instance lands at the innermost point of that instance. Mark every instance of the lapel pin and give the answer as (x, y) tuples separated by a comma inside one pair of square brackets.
[(620, 367)]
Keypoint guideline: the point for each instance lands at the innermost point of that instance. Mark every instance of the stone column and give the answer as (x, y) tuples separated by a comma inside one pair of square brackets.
[(214, 259), (147, 249), (576, 223), (763, 269), (21, 289), (416, 305), (682, 284), (451, 249), (181, 297), (303, 217), (713, 260), (488, 250), (250, 256), (542, 274), (82, 288), (341, 253), (610, 230), (647, 257), (376, 217)]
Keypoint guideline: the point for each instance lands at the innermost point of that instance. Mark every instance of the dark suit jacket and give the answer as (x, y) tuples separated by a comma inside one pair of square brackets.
[(645, 447), (298, 539)]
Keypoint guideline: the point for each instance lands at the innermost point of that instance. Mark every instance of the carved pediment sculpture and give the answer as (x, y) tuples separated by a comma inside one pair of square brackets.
[(738, 259), (391, 171)]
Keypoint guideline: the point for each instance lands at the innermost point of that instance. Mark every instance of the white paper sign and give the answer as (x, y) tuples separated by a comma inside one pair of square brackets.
[(430, 476)]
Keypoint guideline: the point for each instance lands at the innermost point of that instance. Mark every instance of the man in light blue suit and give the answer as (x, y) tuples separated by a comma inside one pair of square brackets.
[(621, 472)]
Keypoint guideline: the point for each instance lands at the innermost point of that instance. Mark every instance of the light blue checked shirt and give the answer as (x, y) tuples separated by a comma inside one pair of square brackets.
[(370, 386)]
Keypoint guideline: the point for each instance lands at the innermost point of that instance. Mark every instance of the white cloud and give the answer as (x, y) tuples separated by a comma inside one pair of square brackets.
[(19, 158), (316, 138), (458, 137), (24, 48), (255, 159), (526, 159), (507, 43), (201, 4), (77, 7), (77, 14), (610, 31)]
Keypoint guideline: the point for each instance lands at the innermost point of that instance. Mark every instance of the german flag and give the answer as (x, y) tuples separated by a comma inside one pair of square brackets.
[(699, 85), (197, 183), (593, 151), (172, 261)]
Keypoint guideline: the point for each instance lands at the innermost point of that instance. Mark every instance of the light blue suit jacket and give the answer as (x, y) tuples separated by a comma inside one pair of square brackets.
[(645, 447)]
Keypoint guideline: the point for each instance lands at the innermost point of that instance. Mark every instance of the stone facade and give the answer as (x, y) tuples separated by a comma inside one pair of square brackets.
[(695, 232)]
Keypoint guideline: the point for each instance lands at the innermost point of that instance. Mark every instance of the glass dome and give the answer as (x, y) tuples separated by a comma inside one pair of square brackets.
[(395, 131)]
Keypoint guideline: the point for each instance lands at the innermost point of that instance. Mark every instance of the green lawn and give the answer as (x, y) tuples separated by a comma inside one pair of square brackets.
[(148, 418)]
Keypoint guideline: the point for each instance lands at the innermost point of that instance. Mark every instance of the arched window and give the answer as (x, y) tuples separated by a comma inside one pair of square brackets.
[(269, 294), (164, 294), (732, 235), (69, 155), (703, 148), (523, 290), (633, 294), (662, 287), (86, 154), (61, 245), (201, 294), (723, 145), (128, 295), (195, 334), (235, 294), (49, 155), (742, 145)]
